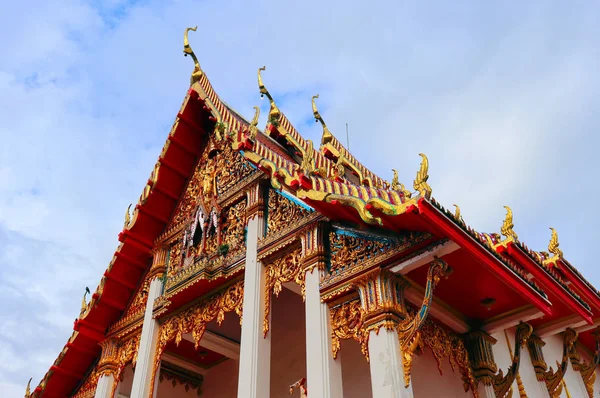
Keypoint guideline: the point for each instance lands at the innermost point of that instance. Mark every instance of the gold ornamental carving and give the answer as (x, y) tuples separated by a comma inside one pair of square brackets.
[(187, 50), (445, 344), (349, 250), (179, 376), (283, 213), (281, 270), (347, 323), (420, 183), (587, 370), (484, 365), (194, 320), (409, 329), (552, 379)]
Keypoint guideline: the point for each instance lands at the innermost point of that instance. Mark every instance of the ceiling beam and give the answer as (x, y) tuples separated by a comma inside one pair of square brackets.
[(182, 363), (439, 310), (425, 257), (559, 325), (218, 344), (511, 318), (585, 328)]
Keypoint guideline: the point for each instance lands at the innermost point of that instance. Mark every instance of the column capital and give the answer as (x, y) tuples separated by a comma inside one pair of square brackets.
[(159, 262), (256, 204), (382, 299), (479, 345), (109, 363), (313, 246)]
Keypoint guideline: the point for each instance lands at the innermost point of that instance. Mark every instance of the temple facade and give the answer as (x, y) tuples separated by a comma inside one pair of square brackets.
[(256, 265)]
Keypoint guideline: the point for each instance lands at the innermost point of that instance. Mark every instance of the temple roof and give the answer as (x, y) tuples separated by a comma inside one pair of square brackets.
[(320, 178)]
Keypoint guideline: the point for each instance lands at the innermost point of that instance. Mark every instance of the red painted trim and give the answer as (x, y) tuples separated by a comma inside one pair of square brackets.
[(75, 347), (58, 369), (173, 167), (120, 281), (547, 282), (112, 304), (186, 120), (135, 240), (135, 263), (467, 242), (581, 286), (143, 210), (166, 193), (184, 146), (89, 330)]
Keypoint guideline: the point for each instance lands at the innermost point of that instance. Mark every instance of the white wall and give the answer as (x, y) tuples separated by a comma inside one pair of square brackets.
[(427, 381), (356, 374)]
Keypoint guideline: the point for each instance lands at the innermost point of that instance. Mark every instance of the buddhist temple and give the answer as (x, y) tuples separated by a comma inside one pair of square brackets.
[(258, 264)]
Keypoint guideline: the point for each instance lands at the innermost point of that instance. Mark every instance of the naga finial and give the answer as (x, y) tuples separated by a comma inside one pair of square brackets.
[(83, 302), (507, 226), (420, 184), (253, 129), (127, 217), (395, 185), (457, 212), (274, 113), (327, 136), (553, 245), (308, 160), (187, 50), (28, 389)]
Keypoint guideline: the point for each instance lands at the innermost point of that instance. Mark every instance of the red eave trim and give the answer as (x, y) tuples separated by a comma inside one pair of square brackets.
[(547, 282), (581, 286), (433, 215)]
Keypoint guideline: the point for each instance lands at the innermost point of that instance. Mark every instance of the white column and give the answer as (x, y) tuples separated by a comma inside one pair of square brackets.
[(105, 386), (255, 350), (486, 391), (387, 371), (142, 377), (323, 373)]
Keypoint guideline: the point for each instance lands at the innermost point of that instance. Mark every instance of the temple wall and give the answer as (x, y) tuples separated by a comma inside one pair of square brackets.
[(356, 374), (288, 342), (503, 353), (552, 353), (124, 386), (221, 381), (427, 381)]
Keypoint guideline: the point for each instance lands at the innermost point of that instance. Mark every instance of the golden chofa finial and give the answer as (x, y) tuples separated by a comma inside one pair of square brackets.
[(28, 389), (327, 136), (420, 184), (274, 113), (507, 226), (187, 50), (396, 185), (253, 129), (457, 215), (553, 246), (127, 217)]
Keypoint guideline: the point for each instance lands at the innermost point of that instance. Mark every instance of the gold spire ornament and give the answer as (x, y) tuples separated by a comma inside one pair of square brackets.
[(83, 302), (395, 182), (327, 136), (420, 183), (253, 129), (27, 389), (127, 216), (187, 50), (457, 213), (274, 113), (553, 247), (507, 226)]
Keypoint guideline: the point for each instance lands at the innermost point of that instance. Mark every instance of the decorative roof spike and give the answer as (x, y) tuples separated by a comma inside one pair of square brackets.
[(253, 129), (28, 389), (308, 160), (83, 302), (327, 136), (127, 217), (187, 50), (507, 226), (395, 186), (553, 245), (274, 112), (406, 192), (420, 184), (457, 213)]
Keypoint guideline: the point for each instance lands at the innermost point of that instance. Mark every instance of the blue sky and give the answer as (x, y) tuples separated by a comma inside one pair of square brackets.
[(502, 98)]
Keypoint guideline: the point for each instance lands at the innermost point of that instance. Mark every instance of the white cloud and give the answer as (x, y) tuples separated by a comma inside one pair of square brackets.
[(502, 99)]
